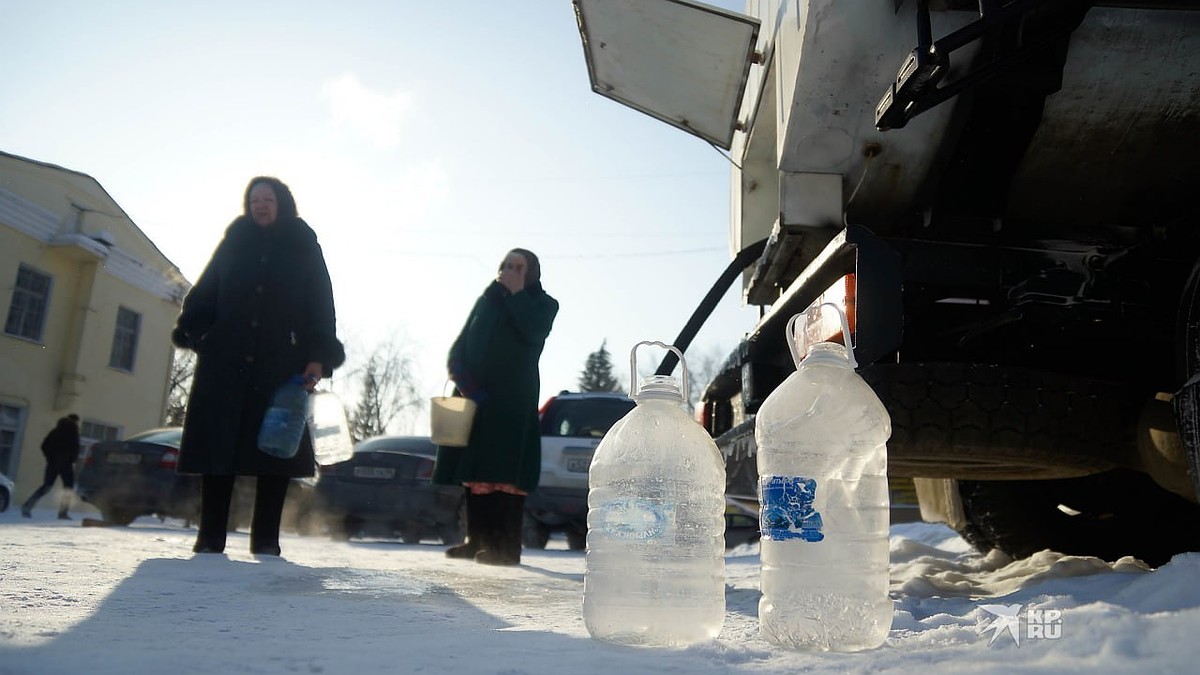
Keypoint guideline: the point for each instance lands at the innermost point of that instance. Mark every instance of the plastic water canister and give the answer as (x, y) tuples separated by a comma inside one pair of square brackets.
[(329, 428), (823, 498), (655, 564), (283, 424)]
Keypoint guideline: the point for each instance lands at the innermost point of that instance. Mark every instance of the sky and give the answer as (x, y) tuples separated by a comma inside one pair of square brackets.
[(422, 140), (136, 600)]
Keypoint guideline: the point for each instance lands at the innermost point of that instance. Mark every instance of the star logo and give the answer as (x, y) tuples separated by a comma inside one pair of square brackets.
[(1004, 618)]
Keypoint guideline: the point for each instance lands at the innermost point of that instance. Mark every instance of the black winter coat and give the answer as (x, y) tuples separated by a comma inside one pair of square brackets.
[(61, 445), (260, 312)]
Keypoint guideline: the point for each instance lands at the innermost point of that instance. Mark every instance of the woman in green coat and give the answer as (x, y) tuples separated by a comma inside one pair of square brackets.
[(494, 362)]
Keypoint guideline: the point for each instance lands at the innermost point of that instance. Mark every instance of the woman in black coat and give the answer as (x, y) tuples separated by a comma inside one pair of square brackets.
[(261, 312), (494, 362)]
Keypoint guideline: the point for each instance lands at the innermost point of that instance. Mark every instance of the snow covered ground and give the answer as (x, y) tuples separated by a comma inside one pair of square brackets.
[(135, 600)]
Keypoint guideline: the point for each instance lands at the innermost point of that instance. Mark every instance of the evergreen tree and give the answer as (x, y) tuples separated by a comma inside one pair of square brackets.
[(597, 374)]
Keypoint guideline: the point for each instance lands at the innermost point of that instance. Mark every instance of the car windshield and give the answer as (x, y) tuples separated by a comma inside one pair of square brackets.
[(161, 436), (584, 417)]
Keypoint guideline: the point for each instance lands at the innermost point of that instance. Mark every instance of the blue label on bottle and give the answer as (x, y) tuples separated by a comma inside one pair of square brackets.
[(632, 519), (786, 509), (277, 419)]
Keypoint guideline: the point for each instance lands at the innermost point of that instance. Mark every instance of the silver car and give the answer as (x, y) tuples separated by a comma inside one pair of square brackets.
[(572, 424)]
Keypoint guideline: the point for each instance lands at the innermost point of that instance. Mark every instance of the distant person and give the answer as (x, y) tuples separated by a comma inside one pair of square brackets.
[(261, 312), (494, 362), (61, 449)]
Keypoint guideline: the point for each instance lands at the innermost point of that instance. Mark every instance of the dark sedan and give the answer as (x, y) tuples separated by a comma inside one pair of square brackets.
[(386, 490), (136, 476)]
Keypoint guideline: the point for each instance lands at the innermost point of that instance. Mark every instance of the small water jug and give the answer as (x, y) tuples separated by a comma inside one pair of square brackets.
[(283, 424), (655, 564), (823, 497)]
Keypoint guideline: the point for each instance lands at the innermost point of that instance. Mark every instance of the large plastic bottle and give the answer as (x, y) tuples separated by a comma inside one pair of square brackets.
[(823, 495), (329, 429), (655, 565), (283, 424)]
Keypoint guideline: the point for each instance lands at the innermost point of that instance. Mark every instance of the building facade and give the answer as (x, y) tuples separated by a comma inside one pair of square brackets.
[(88, 304)]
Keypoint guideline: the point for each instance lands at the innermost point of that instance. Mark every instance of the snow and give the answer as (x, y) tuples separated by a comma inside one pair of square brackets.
[(136, 600)]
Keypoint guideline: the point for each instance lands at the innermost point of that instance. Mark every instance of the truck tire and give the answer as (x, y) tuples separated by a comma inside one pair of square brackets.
[(1108, 515), (986, 422)]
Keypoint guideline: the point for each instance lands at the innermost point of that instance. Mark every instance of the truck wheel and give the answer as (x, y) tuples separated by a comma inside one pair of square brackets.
[(1107, 515)]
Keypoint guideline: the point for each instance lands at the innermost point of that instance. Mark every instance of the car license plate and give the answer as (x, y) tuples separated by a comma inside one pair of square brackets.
[(380, 472), (578, 464), (124, 458)]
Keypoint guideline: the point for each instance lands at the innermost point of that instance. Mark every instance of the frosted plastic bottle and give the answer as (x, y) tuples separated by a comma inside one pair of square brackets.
[(823, 495), (283, 423), (655, 565), (328, 427)]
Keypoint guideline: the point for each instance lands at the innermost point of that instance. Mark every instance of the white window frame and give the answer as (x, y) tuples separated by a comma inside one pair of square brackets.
[(24, 302), (125, 341)]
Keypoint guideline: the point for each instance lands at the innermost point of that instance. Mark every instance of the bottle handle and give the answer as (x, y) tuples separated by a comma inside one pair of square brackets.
[(633, 366), (813, 334)]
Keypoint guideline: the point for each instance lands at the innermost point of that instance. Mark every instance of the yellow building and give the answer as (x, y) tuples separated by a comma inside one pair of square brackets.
[(88, 304)]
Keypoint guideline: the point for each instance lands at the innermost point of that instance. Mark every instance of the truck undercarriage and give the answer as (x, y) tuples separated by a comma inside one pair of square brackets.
[(1007, 219)]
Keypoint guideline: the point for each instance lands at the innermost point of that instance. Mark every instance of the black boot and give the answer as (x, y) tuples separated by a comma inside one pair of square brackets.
[(504, 546), (27, 507), (269, 496), (215, 494), (475, 525)]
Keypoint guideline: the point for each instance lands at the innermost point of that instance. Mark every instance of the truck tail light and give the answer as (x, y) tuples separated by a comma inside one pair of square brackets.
[(842, 293)]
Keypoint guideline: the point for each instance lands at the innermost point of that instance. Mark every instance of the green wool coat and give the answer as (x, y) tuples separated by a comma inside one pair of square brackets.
[(494, 361)]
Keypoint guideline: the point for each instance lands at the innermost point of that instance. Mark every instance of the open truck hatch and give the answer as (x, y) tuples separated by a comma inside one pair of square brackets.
[(685, 63)]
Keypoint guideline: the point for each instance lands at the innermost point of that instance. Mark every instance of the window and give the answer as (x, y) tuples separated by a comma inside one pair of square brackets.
[(125, 337), (94, 432), (10, 431), (31, 296)]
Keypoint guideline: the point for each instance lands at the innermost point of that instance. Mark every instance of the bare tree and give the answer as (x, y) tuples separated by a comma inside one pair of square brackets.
[(388, 388), (183, 367)]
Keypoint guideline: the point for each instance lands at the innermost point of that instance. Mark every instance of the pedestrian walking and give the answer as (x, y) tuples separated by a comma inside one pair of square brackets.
[(61, 449)]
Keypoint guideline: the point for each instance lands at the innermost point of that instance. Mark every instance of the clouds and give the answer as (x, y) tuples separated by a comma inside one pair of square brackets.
[(375, 115)]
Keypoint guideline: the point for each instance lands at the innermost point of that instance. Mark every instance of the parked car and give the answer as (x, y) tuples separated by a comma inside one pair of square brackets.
[(136, 476), (572, 424), (7, 489), (386, 489)]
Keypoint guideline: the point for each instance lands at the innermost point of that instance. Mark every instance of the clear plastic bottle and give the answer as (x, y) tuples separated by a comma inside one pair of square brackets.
[(655, 566), (329, 429), (283, 424), (823, 494)]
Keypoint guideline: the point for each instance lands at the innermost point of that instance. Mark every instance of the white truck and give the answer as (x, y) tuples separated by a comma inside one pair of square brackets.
[(999, 194)]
